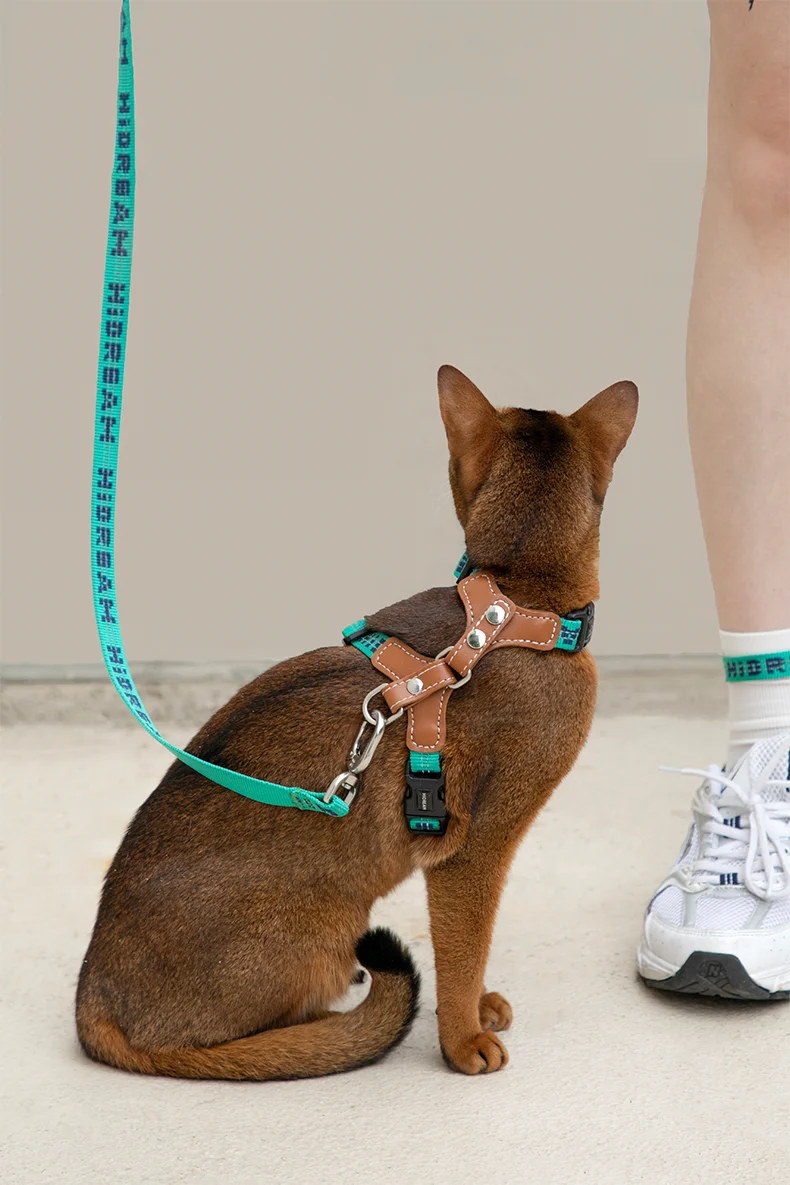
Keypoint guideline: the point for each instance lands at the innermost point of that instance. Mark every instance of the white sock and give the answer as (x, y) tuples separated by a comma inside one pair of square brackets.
[(759, 691)]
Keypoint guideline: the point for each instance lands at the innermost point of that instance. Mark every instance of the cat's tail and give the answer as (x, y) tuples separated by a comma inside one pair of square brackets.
[(337, 1042)]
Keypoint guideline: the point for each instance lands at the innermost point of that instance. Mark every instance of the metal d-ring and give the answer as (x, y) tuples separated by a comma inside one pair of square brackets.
[(459, 682), (366, 713)]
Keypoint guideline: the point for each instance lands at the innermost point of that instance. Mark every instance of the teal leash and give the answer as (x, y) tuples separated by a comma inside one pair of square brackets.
[(109, 390), (574, 631)]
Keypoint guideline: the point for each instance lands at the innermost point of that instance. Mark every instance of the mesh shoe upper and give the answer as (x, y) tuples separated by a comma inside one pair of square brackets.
[(734, 870)]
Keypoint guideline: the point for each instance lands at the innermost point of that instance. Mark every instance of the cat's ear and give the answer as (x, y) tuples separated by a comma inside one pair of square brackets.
[(472, 431), (607, 420)]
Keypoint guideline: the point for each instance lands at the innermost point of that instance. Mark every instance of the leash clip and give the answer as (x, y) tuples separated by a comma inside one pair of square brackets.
[(345, 785), (359, 758)]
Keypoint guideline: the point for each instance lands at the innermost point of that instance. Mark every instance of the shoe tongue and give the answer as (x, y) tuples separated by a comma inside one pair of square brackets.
[(772, 755), (771, 752), (725, 797)]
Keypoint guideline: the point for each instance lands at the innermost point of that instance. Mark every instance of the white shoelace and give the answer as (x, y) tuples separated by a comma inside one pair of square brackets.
[(761, 843)]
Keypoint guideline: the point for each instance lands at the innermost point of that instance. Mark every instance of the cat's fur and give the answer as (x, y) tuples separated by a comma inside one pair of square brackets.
[(226, 928)]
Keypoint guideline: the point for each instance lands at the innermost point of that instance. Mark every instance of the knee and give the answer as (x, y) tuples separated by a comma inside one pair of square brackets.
[(750, 146), (759, 177)]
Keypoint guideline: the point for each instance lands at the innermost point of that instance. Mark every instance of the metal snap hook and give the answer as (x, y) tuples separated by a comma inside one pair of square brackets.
[(359, 758), (344, 786)]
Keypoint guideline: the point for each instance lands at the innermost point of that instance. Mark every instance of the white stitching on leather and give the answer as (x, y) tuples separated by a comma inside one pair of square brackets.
[(426, 690), (498, 600), (532, 641), (438, 723), (425, 661), (466, 596)]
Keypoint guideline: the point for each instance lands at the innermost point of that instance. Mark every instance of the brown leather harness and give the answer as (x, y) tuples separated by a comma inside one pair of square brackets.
[(421, 686)]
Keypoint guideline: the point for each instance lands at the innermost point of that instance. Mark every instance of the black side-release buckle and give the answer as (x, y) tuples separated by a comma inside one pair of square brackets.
[(587, 617), (424, 805)]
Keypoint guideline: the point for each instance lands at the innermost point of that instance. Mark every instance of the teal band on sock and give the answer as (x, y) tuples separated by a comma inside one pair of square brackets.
[(753, 667)]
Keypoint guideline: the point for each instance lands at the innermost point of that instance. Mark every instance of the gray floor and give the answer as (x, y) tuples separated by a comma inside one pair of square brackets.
[(608, 1082)]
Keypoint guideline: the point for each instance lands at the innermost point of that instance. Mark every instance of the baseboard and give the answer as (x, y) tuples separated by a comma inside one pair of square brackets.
[(142, 672), (186, 694), (243, 671)]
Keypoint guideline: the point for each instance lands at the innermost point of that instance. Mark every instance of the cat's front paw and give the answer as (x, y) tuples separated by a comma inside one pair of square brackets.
[(495, 1012), (482, 1054)]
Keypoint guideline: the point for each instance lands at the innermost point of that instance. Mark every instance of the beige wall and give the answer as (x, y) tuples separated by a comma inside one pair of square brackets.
[(333, 199)]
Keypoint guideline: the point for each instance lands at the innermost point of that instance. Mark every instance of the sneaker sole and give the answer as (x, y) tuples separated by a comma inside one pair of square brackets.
[(706, 973)]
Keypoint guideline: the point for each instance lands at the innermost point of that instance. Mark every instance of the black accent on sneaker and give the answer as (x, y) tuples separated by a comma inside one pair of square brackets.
[(706, 973)]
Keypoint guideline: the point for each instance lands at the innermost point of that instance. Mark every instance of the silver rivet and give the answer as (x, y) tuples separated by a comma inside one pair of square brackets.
[(476, 639), (414, 686), (495, 614)]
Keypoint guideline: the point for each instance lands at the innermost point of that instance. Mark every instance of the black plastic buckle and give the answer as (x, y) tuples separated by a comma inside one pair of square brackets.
[(424, 804), (587, 617)]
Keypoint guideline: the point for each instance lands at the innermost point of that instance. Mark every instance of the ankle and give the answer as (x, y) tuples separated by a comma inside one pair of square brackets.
[(757, 668)]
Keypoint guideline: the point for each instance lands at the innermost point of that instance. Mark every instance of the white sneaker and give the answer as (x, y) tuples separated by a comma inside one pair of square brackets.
[(719, 925)]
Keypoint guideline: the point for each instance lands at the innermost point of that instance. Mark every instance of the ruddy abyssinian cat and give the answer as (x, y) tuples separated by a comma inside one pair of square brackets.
[(227, 927)]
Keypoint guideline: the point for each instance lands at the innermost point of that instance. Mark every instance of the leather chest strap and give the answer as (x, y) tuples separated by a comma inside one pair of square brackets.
[(492, 620), (422, 685)]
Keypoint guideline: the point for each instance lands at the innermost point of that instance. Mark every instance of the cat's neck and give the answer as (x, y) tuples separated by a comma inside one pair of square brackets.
[(561, 592)]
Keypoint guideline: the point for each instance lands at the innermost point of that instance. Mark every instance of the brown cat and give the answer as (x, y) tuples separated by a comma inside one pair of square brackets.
[(227, 927)]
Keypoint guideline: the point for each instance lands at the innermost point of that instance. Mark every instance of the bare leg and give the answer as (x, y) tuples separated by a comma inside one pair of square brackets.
[(711, 928), (739, 323)]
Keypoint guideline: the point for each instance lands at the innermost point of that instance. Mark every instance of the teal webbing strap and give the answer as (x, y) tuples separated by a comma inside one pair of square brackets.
[(462, 568), (369, 643), (569, 634), (109, 388), (356, 628), (425, 763), (753, 667)]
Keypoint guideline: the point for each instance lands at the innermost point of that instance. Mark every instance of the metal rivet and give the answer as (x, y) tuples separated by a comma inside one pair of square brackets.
[(495, 614), (414, 686), (476, 639)]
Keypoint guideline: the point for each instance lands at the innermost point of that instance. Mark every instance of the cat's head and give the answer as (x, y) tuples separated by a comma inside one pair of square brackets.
[(529, 486)]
